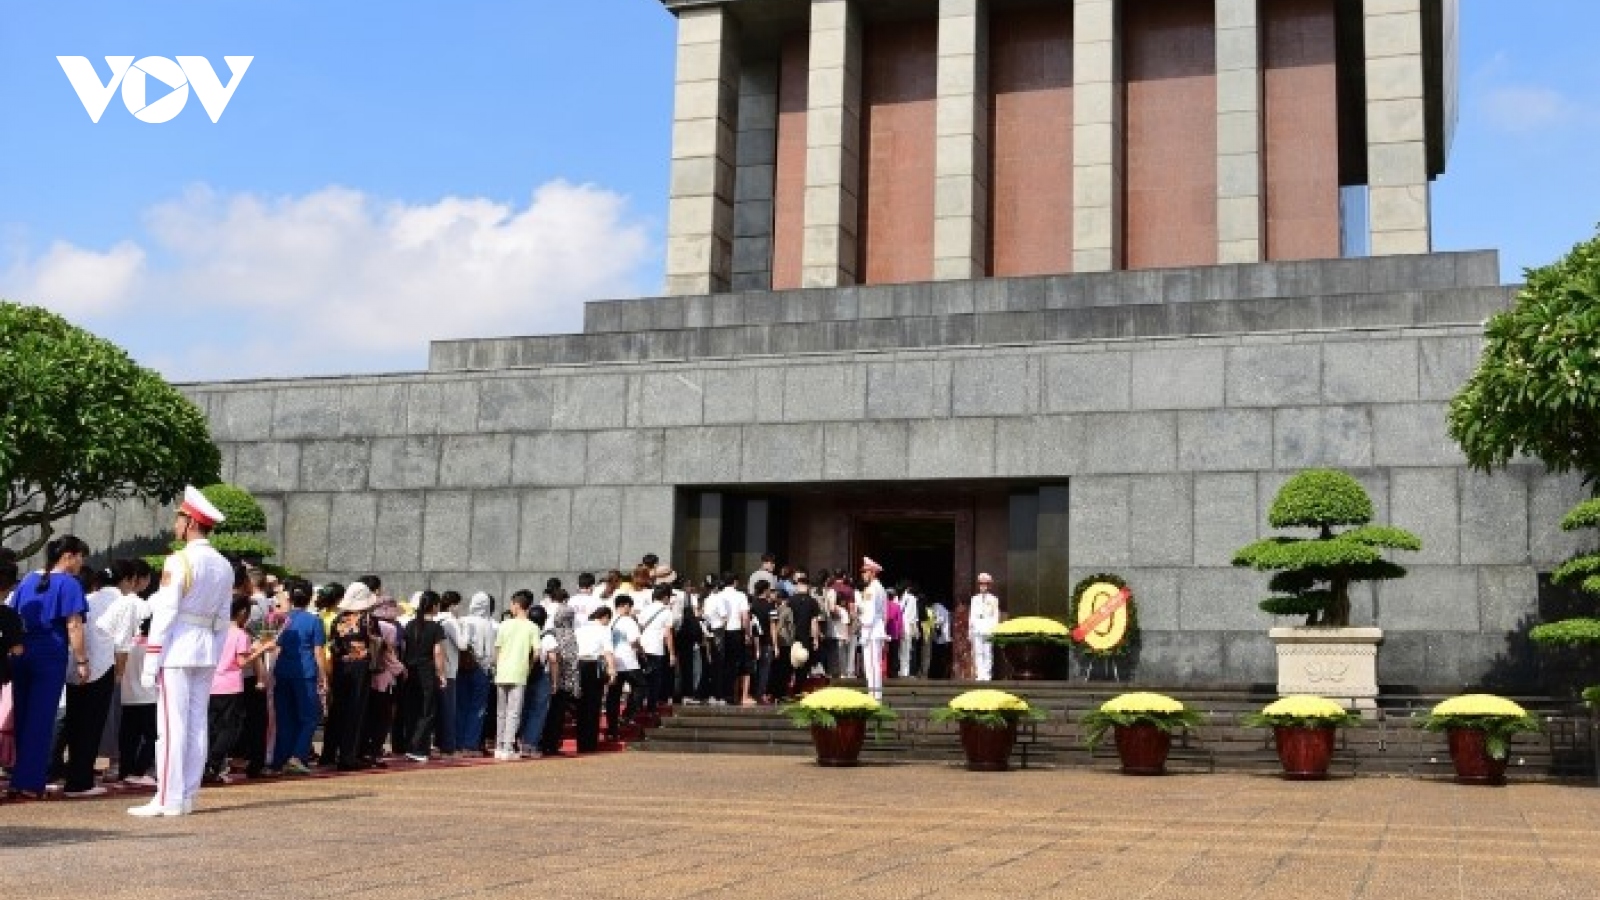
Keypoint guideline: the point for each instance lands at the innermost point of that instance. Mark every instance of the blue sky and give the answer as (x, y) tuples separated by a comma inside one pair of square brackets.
[(386, 174)]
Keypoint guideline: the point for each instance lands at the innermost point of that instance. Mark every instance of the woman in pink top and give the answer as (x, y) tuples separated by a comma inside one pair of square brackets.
[(225, 717)]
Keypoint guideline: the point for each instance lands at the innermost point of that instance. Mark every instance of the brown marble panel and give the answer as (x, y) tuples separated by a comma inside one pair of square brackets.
[(900, 68), (1030, 140), (1301, 102), (1169, 57)]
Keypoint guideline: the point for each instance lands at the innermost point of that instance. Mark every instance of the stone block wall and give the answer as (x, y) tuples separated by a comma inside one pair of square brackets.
[(1172, 447)]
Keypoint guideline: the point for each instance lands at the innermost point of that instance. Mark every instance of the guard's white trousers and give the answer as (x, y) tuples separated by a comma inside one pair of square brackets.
[(982, 657), (182, 698), (872, 661)]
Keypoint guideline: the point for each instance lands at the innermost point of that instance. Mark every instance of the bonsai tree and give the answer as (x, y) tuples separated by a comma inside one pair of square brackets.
[(1536, 393), (81, 422), (1581, 572), (1314, 574)]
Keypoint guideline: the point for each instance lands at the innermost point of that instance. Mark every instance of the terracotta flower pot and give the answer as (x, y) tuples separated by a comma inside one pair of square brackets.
[(1469, 750), (1305, 752), (841, 744), (1143, 749), (1032, 661), (988, 749)]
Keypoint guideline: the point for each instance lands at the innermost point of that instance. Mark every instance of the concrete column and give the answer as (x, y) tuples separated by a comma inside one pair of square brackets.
[(961, 188), (755, 176), (705, 109), (1097, 136), (833, 146), (1240, 205), (1397, 133)]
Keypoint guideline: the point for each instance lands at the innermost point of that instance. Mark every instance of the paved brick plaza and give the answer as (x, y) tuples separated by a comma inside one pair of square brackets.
[(562, 829)]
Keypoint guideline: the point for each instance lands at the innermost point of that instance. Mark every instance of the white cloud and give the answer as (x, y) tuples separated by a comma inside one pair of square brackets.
[(1523, 109), (77, 282), (339, 281)]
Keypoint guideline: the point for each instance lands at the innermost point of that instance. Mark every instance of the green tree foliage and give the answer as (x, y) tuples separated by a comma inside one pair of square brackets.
[(241, 533), (1314, 574), (81, 422), (241, 514), (1581, 572), (1537, 393), (1537, 388)]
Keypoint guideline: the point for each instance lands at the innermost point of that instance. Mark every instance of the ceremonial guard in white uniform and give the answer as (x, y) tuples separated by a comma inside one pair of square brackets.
[(872, 608), (982, 615), (188, 622)]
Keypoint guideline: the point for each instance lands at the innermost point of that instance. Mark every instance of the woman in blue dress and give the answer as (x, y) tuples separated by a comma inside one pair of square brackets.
[(52, 608)]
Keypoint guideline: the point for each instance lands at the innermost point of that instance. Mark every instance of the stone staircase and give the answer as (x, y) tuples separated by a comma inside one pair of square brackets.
[(1389, 743)]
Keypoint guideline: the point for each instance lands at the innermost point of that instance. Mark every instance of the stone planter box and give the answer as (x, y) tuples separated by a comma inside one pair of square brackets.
[(1338, 663)]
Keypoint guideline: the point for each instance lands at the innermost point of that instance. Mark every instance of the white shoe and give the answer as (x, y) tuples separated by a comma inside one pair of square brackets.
[(140, 781), (96, 791), (153, 810)]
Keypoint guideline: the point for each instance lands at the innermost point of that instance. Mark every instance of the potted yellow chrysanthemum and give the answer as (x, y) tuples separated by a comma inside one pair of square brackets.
[(1033, 646), (1480, 728), (1143, 724), (838, 720), (988, 721), (1304, 729)]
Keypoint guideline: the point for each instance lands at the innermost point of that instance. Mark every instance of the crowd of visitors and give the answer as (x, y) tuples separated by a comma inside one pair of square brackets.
[(418, 678)]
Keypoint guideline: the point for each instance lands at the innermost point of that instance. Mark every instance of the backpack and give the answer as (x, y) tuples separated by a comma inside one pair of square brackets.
[(894, 620), (786, 626), (467, 658), (691, 629)]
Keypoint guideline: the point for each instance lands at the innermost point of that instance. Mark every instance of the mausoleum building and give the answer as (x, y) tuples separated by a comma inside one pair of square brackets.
[(1041, 289)]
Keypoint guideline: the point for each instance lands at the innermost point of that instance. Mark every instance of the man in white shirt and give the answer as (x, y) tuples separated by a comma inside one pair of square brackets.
[(910, 627), (584, 602), (982, 615), (763, 576), (735, 640), (625, 636), (872, 605), (655, 640), (596, 669), (189, 617), (715, 619)]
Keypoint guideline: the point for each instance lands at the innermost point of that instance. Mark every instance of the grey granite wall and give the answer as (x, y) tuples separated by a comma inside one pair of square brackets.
[(1173, 448)]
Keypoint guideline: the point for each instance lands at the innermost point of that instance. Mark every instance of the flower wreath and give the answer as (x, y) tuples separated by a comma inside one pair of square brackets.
[(1103, 644)]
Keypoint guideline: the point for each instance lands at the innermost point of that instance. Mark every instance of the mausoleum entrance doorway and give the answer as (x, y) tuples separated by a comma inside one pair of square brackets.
[(939, 534)]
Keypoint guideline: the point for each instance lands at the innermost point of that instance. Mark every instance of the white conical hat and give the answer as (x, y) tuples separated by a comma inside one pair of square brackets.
[(202, 511)]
